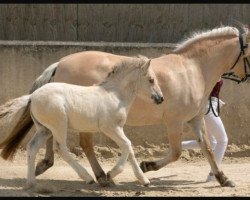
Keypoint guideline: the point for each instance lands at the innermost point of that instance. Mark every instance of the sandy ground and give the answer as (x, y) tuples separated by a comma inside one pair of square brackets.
[(185, 177)]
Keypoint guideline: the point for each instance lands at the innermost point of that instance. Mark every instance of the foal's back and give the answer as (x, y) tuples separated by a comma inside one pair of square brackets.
[(81, 108)]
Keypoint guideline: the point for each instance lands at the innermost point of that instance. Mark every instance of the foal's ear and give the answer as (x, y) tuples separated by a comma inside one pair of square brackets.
[(146, 65)]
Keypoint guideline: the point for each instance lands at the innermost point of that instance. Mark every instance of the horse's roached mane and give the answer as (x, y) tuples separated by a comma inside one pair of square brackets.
[(201, 35)]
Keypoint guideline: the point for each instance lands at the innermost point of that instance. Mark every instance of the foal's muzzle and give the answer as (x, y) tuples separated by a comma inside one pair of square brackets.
[(158, 99)]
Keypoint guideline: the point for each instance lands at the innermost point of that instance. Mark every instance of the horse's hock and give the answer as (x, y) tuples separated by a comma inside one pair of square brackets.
[(22, 62)]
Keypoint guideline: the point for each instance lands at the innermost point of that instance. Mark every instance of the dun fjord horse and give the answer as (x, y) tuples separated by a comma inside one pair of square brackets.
[(59, 107), (186, 78)]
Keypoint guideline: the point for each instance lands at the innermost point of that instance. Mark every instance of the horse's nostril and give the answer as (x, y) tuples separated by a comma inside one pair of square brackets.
[(162, 98)]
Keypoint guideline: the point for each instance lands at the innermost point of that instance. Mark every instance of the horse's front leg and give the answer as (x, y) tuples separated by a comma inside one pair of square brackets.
[(174, 136), (48, 160), (199, 128), (86, 142)]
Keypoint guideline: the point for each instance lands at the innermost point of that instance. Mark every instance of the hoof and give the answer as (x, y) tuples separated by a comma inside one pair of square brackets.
[(29, 186), (42, 166), (228, 183), (91, 182), (148, 166), (146, 185), (106, 183), (106, 180)]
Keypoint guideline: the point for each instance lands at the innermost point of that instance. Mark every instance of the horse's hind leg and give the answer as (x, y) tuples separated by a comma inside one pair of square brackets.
[(86, 142), (32, 149), (48, 160), (174, 137), (199, 128)]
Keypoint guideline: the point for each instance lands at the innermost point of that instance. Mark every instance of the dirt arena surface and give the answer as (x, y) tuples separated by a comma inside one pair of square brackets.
[(185, 177)]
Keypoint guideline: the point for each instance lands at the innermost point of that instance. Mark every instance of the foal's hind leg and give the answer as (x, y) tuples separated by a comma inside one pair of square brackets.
[(32, 149), (86, 142), (174, 138), (198, 126), (48, 161), (126, 151)]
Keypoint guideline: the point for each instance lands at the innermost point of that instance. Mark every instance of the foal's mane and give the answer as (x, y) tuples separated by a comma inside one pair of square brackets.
[(203, 35), (124, 65)]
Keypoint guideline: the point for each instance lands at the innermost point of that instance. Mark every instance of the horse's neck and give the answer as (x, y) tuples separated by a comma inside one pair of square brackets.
[(217, 61)]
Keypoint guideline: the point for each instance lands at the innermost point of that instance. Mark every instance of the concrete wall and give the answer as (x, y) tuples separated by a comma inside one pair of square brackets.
[(22, 62), (114, 22)]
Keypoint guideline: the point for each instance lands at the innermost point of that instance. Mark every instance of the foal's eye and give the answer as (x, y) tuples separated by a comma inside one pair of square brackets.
[(151, 80)]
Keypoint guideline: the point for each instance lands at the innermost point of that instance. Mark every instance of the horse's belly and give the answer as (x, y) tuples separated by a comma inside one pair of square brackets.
[(145, 113)]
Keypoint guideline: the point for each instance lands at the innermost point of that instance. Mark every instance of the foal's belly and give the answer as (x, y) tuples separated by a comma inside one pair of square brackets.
[(82, 123)]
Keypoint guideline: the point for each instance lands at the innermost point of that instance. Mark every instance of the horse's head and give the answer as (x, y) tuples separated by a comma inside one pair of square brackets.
[(240, 71), (149, 83)]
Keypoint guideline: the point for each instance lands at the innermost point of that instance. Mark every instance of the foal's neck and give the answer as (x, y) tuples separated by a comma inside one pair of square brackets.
[(124, 89)]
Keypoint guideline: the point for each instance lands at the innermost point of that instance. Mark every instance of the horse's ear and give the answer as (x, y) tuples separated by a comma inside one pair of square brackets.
[(146, 65)]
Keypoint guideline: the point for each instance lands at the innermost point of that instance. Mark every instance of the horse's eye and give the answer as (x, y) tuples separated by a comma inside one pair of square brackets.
[(151, 80)]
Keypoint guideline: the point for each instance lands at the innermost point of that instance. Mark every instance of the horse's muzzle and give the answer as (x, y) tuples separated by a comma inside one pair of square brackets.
[(157, 99)]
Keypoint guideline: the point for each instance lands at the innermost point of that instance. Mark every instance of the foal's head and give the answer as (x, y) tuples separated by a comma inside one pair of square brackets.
[(136, 75), (149, 84)]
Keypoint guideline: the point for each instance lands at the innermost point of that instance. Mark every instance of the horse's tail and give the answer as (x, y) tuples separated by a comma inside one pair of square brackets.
[(9, 112), (45, 77)]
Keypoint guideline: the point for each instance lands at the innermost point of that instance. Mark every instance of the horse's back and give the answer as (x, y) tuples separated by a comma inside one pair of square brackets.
[(87, 67)]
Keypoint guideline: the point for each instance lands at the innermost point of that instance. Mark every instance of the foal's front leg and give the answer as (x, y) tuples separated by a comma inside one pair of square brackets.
[(86, 142), (199, 128), (126, 151)]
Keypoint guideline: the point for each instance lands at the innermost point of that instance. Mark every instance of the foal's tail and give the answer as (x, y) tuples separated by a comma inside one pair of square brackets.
[(9, 113), (16, 113)]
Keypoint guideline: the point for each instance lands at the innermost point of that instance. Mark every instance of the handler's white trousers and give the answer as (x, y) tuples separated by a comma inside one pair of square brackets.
[(216, 134)]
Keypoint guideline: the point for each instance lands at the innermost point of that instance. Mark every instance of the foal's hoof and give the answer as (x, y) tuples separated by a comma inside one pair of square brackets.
[(147, 184), (228, 183), (29, 186)]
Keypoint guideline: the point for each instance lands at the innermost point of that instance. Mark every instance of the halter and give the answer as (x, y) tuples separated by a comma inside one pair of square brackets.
[(231, 75)]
